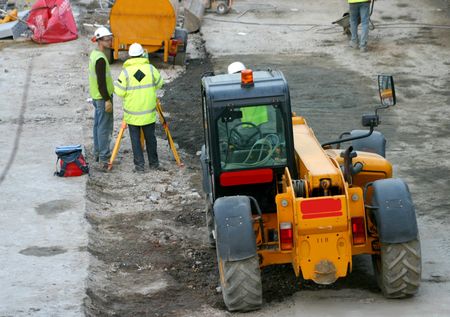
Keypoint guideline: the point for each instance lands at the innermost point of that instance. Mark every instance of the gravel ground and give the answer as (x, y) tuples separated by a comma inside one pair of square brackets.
[(141, 248)]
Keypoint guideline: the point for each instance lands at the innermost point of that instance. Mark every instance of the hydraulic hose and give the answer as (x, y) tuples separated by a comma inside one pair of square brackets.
[(261, 225)]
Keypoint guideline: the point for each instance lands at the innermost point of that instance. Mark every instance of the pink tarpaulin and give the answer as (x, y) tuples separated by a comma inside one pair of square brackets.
[(52, 21)]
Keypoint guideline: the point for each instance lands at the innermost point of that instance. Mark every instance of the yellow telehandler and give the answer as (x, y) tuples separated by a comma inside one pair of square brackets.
[(275, 195)]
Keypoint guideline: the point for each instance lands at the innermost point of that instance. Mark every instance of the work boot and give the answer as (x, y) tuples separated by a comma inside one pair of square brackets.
[(138, 170), (353, 44), (363, 49), (103, 167), (157, 167)]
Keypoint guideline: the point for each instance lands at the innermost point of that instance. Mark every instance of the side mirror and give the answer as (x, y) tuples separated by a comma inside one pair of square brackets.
[(370, 120), (386, 90)]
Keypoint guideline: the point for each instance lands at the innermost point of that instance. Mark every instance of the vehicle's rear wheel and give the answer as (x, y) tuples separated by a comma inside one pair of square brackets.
[(241, 283), (180, 58), (222, 8), (398, 269)]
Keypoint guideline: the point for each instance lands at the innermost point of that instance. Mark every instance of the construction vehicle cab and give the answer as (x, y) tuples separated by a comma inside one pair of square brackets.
[(275, 195), (249, 134)]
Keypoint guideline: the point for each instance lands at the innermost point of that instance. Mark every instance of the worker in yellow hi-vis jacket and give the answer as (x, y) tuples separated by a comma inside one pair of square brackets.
[(137, 85)]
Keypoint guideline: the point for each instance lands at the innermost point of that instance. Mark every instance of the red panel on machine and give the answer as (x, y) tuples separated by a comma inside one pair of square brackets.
[(320, 208), (246, 177)]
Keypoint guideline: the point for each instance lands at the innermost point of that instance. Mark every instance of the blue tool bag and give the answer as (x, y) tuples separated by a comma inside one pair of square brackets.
[(72, 161)]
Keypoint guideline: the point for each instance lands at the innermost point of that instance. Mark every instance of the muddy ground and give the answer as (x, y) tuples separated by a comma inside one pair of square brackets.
[(146, 244), (171, 245), (147, 241), (161, 247)]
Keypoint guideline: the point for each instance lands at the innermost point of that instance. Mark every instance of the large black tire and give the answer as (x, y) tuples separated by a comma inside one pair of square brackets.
[(241, 284), (180, 58), (181, 35), (398, 269), (222, 8)]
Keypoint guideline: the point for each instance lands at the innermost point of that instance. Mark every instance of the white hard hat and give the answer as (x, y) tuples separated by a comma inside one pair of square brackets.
[(135, 50), (235, 67), (102, 32)]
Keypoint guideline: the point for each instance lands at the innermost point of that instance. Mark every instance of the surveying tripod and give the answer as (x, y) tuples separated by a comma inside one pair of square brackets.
[(165, 125)]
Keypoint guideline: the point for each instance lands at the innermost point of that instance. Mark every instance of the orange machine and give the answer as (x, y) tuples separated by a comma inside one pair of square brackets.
[(150, 23), (275, 195)]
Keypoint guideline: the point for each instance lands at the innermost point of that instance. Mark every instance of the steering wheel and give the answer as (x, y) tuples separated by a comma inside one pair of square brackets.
[(239, 140)]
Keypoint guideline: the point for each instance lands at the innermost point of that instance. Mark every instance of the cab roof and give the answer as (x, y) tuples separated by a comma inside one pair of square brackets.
[(227, 87)]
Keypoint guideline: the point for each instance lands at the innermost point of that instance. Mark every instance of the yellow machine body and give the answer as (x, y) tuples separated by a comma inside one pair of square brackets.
[(323, 243), (149, 23)]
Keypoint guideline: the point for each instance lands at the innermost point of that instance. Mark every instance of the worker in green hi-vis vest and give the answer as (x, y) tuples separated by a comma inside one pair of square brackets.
[(255, 114), (101, 89)]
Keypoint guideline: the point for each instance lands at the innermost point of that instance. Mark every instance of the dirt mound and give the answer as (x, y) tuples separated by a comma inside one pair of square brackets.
[(148, 246), (148, 242), (182, 99)]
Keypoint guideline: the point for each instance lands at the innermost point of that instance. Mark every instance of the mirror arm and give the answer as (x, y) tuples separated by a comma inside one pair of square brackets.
[(349, 139), (340, 137), (379, 108)]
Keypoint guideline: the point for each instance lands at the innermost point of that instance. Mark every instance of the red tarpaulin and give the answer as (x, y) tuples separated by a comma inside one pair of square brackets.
[(52, 21)]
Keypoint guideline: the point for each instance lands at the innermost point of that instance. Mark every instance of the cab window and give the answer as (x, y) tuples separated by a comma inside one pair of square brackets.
[(251, 136)]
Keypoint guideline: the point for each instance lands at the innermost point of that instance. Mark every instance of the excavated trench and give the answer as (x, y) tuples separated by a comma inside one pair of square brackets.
[(147, 238)]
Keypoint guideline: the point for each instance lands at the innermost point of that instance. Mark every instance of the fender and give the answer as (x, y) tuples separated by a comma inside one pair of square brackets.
[(393, 211), (376, 143), (235, 239)]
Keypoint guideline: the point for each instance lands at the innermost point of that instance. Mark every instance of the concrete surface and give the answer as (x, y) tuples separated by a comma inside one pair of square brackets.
[(44, 262), (43, 232)]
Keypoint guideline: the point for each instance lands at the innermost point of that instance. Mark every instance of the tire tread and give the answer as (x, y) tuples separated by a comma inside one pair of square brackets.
[(242, 289), (400, 269)]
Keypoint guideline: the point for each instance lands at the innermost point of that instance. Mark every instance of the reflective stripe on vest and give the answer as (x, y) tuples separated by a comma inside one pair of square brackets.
[(357, 1), (138, 113), (159, 79), (93, 84), (125, 72), (119, 86), (135, 87)]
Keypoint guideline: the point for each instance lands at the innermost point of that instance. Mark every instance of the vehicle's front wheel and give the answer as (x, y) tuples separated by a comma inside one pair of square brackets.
[(398, 269), (241, 283)]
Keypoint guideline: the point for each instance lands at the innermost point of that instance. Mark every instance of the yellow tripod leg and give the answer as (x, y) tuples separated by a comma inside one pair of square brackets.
[(117, 145), (169, 136)]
